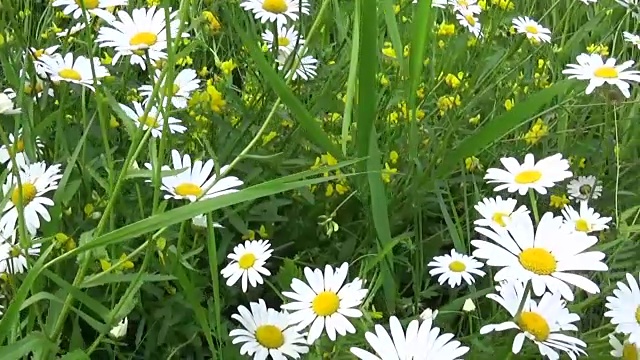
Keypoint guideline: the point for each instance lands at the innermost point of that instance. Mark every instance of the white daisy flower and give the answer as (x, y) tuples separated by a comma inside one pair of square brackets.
[(632, 38), (267, 332), (466, 6), (584, 188), (530, 175), (15, 261), (525, 253), (279, 11), (6, 103), (325, 302), (302, 66), (625, 351), (154, 120), (498, 212), (593, 68), (420, 341), (36, 180), (429, 314), (184, 84), (36, 54), (624, 309), (197, 181), (34, 89), (287, 39), (247, 262), (72, 30), (436, 3), (454, 268), (542, 322), (76, 71), (16, 146), (201, 222), (98, 8), (532, 29), (471, 22), (587, 220), (141, 34)]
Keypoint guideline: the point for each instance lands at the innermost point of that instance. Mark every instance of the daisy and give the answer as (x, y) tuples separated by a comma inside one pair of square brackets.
[(584, 188), (36, 180), (598, 71), (197, 181), (421, 341), (455, 267), (624, 351), (325, 302), (72, 30), (154, 120), (16, 146), (287, 38), (184, 84), (498, 212), (587, 220), (15, 261), (624, 309), (632, 38), (98, 8), (247, 262), (37, 54), (77, 71), (531, 28), (267, 332), (466, 6), (525, 253), (631, 5), (530, 175), (279, 11), (6, 103), (542, 322), (471, 22), (141, 34), (37, 88), (302, 66)]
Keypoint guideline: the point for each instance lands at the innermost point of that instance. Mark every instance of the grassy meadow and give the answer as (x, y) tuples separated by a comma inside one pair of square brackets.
[(319, 179)]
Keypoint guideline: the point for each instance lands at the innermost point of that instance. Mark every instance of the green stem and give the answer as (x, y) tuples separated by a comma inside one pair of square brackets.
[(525, 296), (534, 205)]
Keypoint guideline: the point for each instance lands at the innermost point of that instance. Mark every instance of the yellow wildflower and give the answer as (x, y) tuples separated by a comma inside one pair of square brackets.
[(387, 172), (227, 66), (393, 156), (559, 201), (472, 164), (212, 22), (509, 104), (538, 130), (446, 29), (474, 120), (268, 137)]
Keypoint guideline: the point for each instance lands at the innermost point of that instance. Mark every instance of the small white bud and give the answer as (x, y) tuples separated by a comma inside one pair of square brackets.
[(468, 305), (120, 330)]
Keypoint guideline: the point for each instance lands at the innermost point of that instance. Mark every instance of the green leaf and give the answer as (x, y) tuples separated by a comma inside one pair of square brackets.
[(122, 278), (25, 346), (498, 127), (76, 355)]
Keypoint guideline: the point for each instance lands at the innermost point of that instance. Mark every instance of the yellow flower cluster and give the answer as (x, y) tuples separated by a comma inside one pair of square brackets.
[(210, 99), (403, 113), (538, 130), (448, 102), (339, 186)]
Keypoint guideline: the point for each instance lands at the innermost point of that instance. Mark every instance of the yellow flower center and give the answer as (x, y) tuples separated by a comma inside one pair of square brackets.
[(88, 4), (463, 3), (172, 90), (19, 145), (470, 20), (528, 177), (534, 324), (283, 41), (70, 74), (457, 266), (326, 303), (531, 29), (498, 217), (28, 192), (143, 38), (582, 225), (538, 261), (246, 261), (607, 72), (269, 336), (150, 121), (275, 6), (629, 352), (15, 251), (187, 189)]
